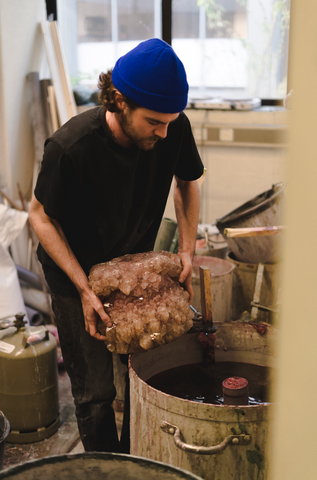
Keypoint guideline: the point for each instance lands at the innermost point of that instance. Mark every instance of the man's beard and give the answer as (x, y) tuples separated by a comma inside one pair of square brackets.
[(144, 143)]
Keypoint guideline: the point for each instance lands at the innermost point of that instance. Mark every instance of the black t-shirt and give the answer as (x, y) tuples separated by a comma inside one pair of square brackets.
[(109, 200)]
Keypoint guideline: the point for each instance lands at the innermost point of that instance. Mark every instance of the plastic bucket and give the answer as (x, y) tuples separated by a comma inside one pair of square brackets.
[(264, 210), (95, 466), (221, 273), (4, 432)]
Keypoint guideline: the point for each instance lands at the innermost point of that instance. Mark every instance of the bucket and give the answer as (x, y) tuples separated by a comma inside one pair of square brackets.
[(221, 274), (217, 247), (243, 285), (165, 235), (95, 466), (159, 419), (264, 210), (4, 432)]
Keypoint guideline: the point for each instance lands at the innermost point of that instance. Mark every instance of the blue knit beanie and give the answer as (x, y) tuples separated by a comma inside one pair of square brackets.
[(153, 76)]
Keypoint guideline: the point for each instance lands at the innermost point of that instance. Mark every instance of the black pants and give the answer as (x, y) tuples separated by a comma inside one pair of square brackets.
[(88, 363)]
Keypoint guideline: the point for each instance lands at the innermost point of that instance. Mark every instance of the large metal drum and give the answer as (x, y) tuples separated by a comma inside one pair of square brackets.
[(240, 433)]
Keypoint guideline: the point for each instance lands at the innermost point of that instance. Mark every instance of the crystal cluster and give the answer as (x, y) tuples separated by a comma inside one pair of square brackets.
[(143, 298)]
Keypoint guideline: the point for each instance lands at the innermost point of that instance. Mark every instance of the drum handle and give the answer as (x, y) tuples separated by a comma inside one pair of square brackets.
[(231, 439)]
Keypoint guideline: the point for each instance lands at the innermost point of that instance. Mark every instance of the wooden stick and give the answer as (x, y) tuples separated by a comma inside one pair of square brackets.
[(52, 107), (205, 294), (252, 231), (14, 205)]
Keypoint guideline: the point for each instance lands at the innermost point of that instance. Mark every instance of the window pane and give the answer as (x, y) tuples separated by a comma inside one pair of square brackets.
[(135, 19), (94, 21), (227, 19), (241, 48), (185, 19), (95, 33)]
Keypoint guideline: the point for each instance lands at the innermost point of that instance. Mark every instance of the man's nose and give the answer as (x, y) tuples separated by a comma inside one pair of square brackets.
[(161, 130)]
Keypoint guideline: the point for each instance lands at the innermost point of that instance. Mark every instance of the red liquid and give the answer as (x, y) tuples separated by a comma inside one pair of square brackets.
[(194, 382)]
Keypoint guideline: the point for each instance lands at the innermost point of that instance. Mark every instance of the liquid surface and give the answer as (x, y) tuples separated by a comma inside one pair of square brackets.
[(196, 383)]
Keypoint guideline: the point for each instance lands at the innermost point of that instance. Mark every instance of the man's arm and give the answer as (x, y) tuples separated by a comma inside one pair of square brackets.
[(53, 240), (187, 204)]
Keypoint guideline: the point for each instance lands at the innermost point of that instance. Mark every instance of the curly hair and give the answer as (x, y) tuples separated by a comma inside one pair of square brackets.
[(108, 90)]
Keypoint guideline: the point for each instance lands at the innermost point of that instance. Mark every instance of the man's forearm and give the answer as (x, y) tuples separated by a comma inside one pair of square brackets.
[(53, 240), (187, 205)]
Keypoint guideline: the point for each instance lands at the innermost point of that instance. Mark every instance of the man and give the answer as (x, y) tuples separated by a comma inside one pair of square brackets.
[(101, 193)]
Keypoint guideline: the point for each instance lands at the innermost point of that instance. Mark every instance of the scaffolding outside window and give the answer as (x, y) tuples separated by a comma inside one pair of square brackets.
[(230, 48)]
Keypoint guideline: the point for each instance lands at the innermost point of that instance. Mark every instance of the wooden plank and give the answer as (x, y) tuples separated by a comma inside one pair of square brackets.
[(52, 107), (44, 84), (38, 124), (63, 70), (54, 69), (252, 231)]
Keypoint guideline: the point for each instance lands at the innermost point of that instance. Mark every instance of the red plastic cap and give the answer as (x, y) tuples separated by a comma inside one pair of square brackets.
[(235, 383)]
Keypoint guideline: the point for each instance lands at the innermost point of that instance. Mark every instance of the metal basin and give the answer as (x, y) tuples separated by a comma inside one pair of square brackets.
[(264, 210), (95, 466)]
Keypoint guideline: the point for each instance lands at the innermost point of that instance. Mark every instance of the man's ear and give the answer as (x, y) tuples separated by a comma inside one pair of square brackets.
[(118, 98)]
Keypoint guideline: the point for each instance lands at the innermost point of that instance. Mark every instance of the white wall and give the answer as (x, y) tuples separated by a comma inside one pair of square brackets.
[(236, 173), (21, 51)]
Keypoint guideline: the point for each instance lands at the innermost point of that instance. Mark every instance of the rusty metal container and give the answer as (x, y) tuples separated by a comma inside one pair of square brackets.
[(264, 210), (95, 466), (212, 441), (221, 276)]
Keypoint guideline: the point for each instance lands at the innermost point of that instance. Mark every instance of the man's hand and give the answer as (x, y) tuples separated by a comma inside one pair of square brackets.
[(93, 312), (186, 275)]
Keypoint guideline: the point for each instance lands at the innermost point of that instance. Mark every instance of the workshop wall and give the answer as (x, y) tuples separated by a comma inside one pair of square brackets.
[(21, 51), (244, 154)]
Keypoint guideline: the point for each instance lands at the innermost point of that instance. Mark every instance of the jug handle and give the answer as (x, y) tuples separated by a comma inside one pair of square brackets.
[(231, 439)]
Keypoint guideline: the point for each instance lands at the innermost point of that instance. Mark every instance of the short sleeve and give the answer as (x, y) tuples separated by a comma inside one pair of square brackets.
[(51, 186), (189, 166)]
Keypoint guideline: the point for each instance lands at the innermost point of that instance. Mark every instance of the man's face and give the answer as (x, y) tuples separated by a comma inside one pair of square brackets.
[(145, 127)]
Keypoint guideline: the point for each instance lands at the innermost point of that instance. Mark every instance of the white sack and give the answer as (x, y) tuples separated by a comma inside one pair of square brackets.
[(11, 224), (11, 300)]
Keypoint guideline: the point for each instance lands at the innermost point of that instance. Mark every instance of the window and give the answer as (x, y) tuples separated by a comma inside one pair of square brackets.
[(230, 48)]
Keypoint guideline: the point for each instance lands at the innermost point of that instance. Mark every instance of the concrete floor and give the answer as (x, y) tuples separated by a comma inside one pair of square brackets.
[(65, 440)]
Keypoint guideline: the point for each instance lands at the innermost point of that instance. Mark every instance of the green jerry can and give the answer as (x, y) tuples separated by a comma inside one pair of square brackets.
[(28, 381)]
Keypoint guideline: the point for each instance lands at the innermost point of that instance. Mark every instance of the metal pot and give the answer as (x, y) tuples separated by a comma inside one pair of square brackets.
[(264, 210), (212, 441)]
